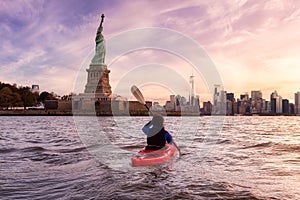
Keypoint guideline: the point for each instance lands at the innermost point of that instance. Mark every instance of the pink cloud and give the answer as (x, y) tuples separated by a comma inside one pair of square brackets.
[(244, 38)]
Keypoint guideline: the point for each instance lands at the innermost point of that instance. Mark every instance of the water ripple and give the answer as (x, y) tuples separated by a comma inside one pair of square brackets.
[(251, 158)]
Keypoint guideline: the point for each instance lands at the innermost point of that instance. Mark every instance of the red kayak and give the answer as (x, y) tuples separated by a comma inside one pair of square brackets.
[(153, 157)]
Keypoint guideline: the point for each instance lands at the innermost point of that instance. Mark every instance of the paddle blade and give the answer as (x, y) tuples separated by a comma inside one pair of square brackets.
[(138, 95)]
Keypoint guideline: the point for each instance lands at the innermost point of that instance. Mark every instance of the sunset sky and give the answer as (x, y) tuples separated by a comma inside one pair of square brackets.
[(254, 45)]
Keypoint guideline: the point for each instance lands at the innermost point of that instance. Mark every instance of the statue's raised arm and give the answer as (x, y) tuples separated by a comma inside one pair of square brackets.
[(102, 19)]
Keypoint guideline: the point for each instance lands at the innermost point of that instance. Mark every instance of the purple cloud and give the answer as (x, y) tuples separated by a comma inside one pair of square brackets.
[(45, 42)]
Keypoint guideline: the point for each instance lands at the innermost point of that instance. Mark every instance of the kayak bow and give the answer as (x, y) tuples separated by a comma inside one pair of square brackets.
[(153, 157)]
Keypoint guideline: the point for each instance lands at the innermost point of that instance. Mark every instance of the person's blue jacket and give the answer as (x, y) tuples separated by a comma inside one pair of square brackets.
[(149, 125)]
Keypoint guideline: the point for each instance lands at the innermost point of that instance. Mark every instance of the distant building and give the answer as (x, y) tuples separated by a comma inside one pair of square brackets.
[(180, 104), (51, 104), (219, 104), (230, 96), (230, 103), (235, 108), (273, 105), (297, 103), (256, 101), (244, 97), (285, 107), (194, 100), (180, 101), (292, 109), (169, 106), (229, 108), (173, 99), (157, 107), (266, 106), (192, 91), (35, 89), (197, 101), (207, 108), (256, 94), (276, 103), (243, 107)]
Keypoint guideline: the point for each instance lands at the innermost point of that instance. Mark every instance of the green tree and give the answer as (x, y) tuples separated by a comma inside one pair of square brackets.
[(27, 97), (46, 96), (17, 101), (6, 97), (68, 97)]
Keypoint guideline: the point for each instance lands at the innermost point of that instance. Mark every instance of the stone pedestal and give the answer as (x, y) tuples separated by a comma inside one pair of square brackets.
[(98, 81)]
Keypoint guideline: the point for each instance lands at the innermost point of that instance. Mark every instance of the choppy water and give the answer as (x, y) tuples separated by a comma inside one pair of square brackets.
[(64, 158)]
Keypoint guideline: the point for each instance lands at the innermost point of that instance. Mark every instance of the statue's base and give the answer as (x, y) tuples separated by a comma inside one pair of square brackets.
[(98, 80)]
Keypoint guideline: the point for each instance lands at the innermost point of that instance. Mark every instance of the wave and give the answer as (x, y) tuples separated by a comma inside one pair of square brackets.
[(72, 150), (260, 145), (33, 149), (7, 150), (276, 146), (130, 147), (295, 148)]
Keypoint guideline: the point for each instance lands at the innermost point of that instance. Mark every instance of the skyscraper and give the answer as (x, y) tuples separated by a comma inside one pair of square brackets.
[(230, 96), (297, 103), (192, 92), (285, 106), (255, 95), (219, 105), (256, 101), (276, 102), (244, 97)]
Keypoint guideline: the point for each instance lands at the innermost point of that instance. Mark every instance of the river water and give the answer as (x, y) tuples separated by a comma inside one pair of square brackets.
[(89, 158)]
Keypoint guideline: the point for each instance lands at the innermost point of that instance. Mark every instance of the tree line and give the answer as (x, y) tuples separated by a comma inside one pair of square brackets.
[(22, 96)]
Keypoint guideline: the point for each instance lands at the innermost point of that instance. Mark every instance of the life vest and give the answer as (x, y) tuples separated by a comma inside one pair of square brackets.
[(156, 139)]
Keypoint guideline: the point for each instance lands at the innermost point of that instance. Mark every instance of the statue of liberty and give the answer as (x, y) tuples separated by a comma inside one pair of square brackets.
[(100, 45)]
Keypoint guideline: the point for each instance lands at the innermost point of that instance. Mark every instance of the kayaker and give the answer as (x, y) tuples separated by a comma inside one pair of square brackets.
[(157, 136)]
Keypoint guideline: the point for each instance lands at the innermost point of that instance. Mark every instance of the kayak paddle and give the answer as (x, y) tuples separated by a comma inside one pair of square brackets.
[(139, 96)]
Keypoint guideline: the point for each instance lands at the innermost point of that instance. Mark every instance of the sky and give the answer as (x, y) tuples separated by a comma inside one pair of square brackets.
[(253, 44)]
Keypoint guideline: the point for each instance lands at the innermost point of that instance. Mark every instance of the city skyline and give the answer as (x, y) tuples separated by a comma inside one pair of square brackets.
[(237, 96), (253, 44), (162, 101)]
